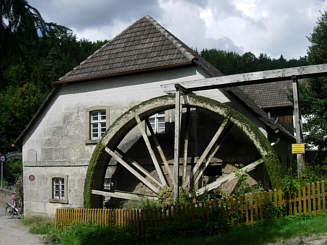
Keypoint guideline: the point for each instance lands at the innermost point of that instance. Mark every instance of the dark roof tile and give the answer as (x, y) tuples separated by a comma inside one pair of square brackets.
[(268, 95), (143, 45)]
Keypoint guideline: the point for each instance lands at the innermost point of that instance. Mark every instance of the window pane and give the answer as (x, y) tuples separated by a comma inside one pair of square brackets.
[(103, 115), (58, 188)]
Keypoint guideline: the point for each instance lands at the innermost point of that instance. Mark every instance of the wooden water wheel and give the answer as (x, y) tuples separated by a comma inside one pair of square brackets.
[(208, 130)]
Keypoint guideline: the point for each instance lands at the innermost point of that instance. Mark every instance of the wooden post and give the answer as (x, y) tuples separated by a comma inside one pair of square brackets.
[(176, 144), (298, 129)]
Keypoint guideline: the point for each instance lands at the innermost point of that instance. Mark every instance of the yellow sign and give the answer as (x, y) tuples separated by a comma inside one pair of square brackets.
[(298, 148)]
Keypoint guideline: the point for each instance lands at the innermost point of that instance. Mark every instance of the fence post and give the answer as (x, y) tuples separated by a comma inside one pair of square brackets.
[(323, 196), (314, 198), (304, 195)]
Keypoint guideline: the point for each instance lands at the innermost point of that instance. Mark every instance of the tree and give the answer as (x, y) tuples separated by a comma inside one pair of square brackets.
[(19, 22), (313, 93)]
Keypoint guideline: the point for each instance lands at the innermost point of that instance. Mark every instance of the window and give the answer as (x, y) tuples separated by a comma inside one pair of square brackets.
[(98, 124), (58, 189), (157, 122), (108, 184)]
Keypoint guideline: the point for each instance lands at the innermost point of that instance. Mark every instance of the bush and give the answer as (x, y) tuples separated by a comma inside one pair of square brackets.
[(217, 223), (88, 234)]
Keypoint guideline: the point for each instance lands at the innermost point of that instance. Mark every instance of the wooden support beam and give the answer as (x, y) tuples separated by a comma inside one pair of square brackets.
[(250, 78), (298, 128), (187, 134), (139, 167), (176, 144), (133, 171), (213, 153), (123, 195), (148, 145), (227, 178), (161, 153), (208, 148)]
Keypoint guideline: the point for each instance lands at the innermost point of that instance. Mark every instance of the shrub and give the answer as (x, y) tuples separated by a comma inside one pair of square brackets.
[(88, 234)]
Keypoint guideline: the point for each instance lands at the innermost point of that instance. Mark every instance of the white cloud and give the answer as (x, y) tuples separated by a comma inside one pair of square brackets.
[(274, 27)]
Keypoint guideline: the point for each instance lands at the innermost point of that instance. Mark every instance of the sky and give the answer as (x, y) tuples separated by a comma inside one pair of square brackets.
[(272, 27)]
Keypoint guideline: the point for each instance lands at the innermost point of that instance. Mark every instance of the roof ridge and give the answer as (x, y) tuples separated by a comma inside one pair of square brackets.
[(177, 43)]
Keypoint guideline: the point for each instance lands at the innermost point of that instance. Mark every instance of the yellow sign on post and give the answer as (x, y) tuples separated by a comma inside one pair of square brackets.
[(298, 148)]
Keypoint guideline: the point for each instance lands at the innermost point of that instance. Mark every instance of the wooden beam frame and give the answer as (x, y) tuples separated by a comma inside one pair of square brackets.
[(148, 145), (226, 178), (176, 143), (123, 195), (250, 78), (133, 171), (186, 141), (297, 123)]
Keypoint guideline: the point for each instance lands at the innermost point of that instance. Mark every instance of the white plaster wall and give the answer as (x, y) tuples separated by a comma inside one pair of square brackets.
[(57, 142)]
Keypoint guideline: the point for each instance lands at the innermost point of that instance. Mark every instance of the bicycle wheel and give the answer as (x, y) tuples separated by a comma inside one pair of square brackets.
[(9, 212)]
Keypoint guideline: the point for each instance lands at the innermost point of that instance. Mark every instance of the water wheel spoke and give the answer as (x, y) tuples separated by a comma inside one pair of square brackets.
[(130, 169), (151, 152), (124, 195), (212, 154), (208, 149), (217, 145), (159, 148), (224, 179), (139, 167)]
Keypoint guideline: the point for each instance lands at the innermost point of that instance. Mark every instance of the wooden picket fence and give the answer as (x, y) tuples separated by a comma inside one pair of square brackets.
[(245, 209)]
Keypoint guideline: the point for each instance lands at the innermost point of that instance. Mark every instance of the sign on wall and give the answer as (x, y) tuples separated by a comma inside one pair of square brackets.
[(298, 148)]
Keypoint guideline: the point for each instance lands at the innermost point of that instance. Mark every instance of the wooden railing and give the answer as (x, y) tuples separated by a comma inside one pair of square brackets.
[(245, 209)]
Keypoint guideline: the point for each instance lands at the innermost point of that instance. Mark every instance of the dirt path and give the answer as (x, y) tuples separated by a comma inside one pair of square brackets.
[(12, 232)]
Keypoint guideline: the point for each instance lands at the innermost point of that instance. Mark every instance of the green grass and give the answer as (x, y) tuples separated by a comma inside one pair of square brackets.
[(275, 230), (38, 224)]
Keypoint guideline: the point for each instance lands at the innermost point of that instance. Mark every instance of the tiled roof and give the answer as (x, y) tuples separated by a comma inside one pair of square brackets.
[(145, 45), (267, 95), (260, 114)]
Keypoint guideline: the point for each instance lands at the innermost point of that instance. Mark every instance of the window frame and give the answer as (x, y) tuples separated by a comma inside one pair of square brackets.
[(89, 139), (64, 199), (157, 129)]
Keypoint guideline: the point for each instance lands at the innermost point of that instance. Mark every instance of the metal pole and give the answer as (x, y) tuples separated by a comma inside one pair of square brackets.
[(1, 174), (176, 146), (298, 128)]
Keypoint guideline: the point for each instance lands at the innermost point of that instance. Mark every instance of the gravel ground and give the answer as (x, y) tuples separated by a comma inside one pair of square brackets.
[(12, 232), (310, 240)]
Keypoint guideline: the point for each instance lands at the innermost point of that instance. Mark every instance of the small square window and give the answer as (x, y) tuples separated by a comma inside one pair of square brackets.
[(58, 189)]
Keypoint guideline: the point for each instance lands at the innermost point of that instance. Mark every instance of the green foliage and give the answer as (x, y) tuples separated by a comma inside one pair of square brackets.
[(311, 173), (313, 93), (275, 230), (34, 54), (189, 228), (232, 63), (39, 224), (13, 170), (88, 234)]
